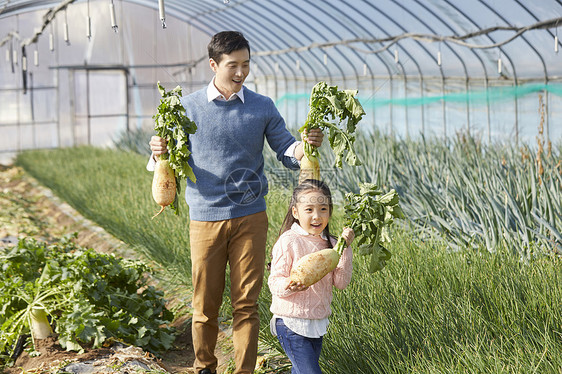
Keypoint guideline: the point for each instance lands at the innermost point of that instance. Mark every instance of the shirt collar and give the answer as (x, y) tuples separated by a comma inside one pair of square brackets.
[(214, 94), (299, 230)]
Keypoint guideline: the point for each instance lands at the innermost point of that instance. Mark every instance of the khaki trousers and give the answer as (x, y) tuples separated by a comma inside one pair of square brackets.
[(240, 242)]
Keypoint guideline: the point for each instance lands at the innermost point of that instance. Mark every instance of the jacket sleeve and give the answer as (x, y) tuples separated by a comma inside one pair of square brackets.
[(281, 264), (342, 273)]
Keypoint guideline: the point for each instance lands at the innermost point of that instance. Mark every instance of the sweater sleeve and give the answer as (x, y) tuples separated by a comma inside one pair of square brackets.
[(281, 263), (342, 273), (279, 138)]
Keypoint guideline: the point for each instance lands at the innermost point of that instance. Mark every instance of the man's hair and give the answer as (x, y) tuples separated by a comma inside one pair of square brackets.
[(225, 42)]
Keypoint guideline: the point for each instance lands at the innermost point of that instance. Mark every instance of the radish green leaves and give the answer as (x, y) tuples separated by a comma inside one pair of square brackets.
[(369, 214), (337, 111), (172, 124), (90, 297)]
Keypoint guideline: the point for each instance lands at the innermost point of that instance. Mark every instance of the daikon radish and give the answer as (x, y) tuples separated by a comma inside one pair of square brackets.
[(314, 266), (310, 168), (172, 124), (163, 185), (40, 327)]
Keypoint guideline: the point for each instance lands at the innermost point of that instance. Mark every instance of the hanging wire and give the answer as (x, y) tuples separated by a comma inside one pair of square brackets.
[(65, 28), (499, 61), (112, 16), (12, 54), (48, 19), (88, 23), (14, 49), (162, 13), (36, 55), (24, 69), (51, 38), (23, 60), (556, 39)]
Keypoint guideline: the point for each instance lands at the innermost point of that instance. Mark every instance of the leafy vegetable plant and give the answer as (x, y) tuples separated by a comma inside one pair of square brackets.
[(172, 124), (88, 297), (339, 112), (369, 214)]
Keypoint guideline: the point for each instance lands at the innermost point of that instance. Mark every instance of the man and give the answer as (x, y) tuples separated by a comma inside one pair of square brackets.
[(228, 222)]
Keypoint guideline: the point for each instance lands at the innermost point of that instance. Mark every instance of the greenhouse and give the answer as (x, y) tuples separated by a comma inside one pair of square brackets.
[(156, 202), (79, 72)]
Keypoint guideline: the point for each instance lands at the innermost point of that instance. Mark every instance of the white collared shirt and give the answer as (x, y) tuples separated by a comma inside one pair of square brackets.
[(214, 94)]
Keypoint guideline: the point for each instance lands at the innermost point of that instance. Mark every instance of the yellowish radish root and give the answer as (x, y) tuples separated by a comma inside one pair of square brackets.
[(163, 185), (40, 327), (310, 168), (314, 266)]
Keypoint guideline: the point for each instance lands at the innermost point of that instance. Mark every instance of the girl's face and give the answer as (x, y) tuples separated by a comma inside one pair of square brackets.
[(312, 210)]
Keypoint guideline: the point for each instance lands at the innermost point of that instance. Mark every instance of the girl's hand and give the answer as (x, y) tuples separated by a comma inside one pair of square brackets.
[(158, 145), (314, 137), (296, 286), (348, 235)]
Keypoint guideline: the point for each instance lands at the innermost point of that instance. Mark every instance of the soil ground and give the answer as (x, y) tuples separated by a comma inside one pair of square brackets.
[(28, 209)]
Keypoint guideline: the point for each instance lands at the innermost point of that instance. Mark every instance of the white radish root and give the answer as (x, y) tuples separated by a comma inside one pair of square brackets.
[(310, 168), (40, 327), (163, 185), (314, 266)]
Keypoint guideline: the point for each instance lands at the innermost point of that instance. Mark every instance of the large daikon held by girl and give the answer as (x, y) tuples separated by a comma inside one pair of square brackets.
[(301, 311)]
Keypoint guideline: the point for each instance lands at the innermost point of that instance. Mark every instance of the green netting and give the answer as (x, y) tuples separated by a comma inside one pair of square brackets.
[(490, 95)]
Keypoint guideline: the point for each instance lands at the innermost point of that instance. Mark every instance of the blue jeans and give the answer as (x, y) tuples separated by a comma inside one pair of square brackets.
[(303, 352)]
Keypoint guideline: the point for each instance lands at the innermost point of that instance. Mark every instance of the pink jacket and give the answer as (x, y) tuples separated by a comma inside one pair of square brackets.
[(313, 303)]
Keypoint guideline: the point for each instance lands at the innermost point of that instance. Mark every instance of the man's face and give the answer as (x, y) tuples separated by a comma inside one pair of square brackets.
[(231, 72)]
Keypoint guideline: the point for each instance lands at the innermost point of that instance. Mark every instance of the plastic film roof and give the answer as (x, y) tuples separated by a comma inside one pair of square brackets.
[(346, 39), (432, 67)]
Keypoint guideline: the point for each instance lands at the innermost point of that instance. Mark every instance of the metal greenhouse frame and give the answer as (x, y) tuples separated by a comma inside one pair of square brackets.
[(490, 68)]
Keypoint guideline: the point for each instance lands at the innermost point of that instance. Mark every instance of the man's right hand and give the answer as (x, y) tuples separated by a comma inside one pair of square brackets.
[(158, 145)]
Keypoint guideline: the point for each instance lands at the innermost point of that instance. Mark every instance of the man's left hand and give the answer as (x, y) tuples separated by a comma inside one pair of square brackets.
[(313, 137)]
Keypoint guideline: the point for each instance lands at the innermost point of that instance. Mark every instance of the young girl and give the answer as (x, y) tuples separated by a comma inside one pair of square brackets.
[(300, 314)]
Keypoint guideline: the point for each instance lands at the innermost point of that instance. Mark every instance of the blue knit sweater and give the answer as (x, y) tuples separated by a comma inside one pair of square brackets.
[(227, 154)]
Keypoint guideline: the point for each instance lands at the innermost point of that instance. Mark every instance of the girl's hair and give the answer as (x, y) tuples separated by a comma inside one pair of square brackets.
[(226, 42), (307, 186)]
